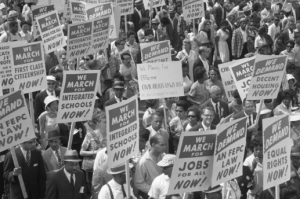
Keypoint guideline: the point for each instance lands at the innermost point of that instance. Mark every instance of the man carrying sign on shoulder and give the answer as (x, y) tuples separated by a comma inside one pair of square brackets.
[(31, 168)]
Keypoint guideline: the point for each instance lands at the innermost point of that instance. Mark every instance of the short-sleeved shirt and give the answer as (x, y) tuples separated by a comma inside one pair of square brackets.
[(159, 187), (199, 92)]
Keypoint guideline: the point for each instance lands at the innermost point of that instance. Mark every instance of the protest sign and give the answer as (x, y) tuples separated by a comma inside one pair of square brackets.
[(78, 11), (15, 124), (276, 151), (77, 96), (126, 7), (6, 66), (156, 52), (122, 129), (193, 165), (100, 34), (79, 39), (155, 83), (96, 11), (229, 151), (155, 3), (193, 9), (38, 11), (267, 77), (51, 31), (241, 72), (227, 80), (28, 67), (115, 23)]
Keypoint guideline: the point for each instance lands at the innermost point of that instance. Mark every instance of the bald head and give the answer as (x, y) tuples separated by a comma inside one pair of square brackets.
[(214, 89), (215, 93)]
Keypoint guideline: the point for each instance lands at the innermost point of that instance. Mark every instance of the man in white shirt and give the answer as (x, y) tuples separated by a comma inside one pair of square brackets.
[(160, 185), (274, 28), (117, 187), (54, 155)]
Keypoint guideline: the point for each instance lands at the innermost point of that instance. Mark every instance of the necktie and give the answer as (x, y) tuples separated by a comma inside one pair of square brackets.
[(249, 117), (72, 180), (217, 110), (123, 190), (28, 158), (58, 158)]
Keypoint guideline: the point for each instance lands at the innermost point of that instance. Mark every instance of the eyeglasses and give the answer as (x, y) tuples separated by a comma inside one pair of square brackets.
[(209, 115), (51, 84), (191, 116)]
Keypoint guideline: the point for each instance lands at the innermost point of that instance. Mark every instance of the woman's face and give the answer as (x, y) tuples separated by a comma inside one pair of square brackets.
[(186, 45), (279, 40), (185, 71), (192, 116), (207, 26), (289, 47), (53, 106), (121, 45)]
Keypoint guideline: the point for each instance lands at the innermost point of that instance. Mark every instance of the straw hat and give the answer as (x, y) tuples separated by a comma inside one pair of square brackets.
[(51, 78), (49, 99), (118, 169), (53, 134), (71, 156), (138, 2), (167, 160)]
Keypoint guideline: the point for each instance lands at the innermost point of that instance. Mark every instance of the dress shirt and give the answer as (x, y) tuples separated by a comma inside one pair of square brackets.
[(251, 118), (214, 104), (205, 128), (24, 152), (68, 175), (59, 153), (50, 94)]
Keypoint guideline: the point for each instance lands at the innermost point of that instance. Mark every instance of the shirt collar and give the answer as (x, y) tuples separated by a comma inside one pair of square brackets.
[(24, 152), (50, 93), (246, 114), (118, 99), (214, 102), (205, 127)]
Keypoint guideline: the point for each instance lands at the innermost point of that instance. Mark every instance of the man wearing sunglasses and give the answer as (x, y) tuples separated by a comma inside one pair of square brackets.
[(49, 91)]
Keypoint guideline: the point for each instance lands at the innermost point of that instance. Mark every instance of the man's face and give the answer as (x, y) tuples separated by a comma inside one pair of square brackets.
[(14, 29), (54, 144), (161, 146), (72, 63), (249, 107), (287, 102), (156, 122), (292, 25), (216, 95), (258, 151), (172, 15), (243, 25), (28, 145), (51, 85), (179, 10), (119, 92), (126, 60), (63, 60), (207, 117), (281, 15), (276, 21), (155, 26), (71, 167), (167, 170)]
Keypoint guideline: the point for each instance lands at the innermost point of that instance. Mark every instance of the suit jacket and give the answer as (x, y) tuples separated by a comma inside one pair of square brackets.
[(199, 127), (59, 186), (112, 101), (50, 161), (223, 106), (34, 176), (39, 103)]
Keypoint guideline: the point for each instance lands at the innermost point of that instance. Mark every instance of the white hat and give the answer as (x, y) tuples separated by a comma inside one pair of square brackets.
[(167, 160), (118, 169), (51, 78), (49, 99), (295, 116)]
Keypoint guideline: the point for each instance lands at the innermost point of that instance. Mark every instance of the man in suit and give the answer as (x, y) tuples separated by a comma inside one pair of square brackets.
[(119, 89), (219, 12), (207, 116), (248, 111), (202, 60), (31, 167), (221, 108), (138, 14), (69, 181), (39, 99), (157, 33), (54, 155), (288, 33)]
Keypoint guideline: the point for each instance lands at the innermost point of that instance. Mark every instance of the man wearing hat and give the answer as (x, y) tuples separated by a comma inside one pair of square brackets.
[(160, 185), (31, 167), (117, 187), (213, 192), (54, 155), (69, 181), (39, 99), (119, 89), (157, 33), (138, 14)]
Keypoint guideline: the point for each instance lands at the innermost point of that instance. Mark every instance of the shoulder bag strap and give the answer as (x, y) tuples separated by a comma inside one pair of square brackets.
[(110, 191)]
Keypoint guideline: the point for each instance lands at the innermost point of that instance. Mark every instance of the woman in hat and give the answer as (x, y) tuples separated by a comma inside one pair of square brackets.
[(47, 119), (95, 138)]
